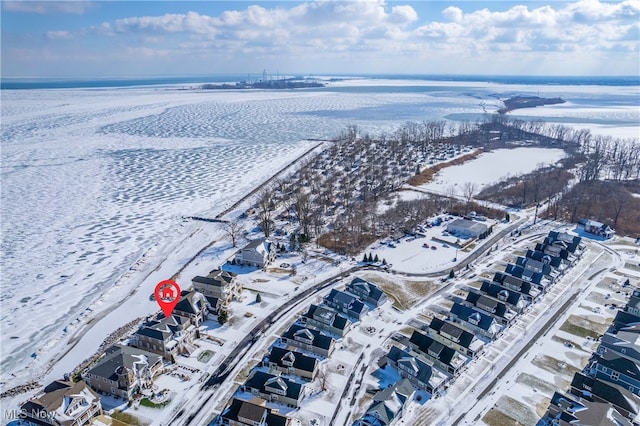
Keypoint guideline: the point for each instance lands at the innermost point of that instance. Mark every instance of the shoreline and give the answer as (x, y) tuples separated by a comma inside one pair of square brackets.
[(93, 321)]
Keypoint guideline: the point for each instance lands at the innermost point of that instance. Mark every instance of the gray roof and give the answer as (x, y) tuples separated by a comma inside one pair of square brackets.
[(122, 356), (260, 380), (300, 361)]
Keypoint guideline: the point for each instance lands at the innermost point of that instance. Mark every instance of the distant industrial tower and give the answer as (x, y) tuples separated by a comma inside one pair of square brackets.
[(264, 75)]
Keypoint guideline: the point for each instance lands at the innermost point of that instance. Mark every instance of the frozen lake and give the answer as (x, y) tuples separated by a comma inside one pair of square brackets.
[(95, 181)]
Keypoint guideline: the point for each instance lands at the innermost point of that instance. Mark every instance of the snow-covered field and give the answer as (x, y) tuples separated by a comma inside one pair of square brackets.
[(492, 167), (95, 182)]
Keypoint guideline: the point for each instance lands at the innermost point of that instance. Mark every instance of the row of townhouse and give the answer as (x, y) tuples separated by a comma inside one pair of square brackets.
[(607, 391), (437, 353), (294, 360)]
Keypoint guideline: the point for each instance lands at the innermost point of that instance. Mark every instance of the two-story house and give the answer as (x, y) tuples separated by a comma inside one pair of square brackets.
[(456, 337), (419, 373), (443, 357), (324, 318), (388, 405), (219, 287), (367, 292), (168, 337), (193, 306), (124, 371), (252, 413), (275, 388), (308, 340), (293, 362), (475, 321), (346, 303), (63, 403), (259, 253)]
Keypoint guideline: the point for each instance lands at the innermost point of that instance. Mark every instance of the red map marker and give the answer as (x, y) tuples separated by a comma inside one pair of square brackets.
[(167, 295)]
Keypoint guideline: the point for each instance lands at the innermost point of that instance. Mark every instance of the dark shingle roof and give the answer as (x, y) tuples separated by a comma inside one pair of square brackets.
[(301, 361), (615, 394), (319, 340), (464, 313), (259, 380), (464, 337)]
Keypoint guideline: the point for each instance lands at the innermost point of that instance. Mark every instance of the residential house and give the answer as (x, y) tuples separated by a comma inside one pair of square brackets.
[(168, 337), (616, 369), (324, 318), (467, 228), (553, 261), (571, 242), (538, 267), (63, 404), (451, 335), (633, 305), (274, 388), (536, 278), (258, 253), (626, 319), (124, 371), (347, 304), (419, 373), (193, 306), (475, 321), (568, 410), (593, 389), (443, 357), (308, 340), (623, 342), (515, 300), (597, 228), (293, 362), (367, 292), (219, 287), (252, 413), (528, 291), (497, 309), (388, 405)]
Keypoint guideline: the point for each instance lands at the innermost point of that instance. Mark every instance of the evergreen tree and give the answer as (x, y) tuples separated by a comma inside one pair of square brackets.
[(258, 298), (370, 259), (384, 261), (507, 217), (364, 258), (375, 259), (451, 274)]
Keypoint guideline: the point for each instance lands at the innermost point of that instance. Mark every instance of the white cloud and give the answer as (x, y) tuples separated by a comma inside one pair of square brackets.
[(77, 7)]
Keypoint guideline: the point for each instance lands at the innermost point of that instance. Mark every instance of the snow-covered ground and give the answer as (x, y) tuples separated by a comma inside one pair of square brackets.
[(492, 167), (95, 182)]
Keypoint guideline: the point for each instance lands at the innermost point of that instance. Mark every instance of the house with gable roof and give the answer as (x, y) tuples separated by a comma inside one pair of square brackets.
[(193, 306), (124, 371), (367, 292), (219, 288), (325, 318), (292, 362), (168, 337), (475, 321), (419, 373), (275, 388), (252, 413), (493, 307), (438, 354), (452, 335), (594, 389), (258, 253), (616, 369), (308, 340), (388, 405), (63, 403), (346, 303), (515, 300), (567, 409), (527, 289)]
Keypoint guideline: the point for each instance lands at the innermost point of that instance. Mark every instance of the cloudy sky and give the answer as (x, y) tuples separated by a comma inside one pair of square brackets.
[(149, 38)]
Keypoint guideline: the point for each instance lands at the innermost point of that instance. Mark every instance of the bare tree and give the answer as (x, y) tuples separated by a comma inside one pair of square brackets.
[(265, 211), (234, 231), (469, 189)]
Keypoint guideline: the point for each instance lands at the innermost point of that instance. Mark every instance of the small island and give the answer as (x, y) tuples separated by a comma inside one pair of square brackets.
[(518, 102)]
